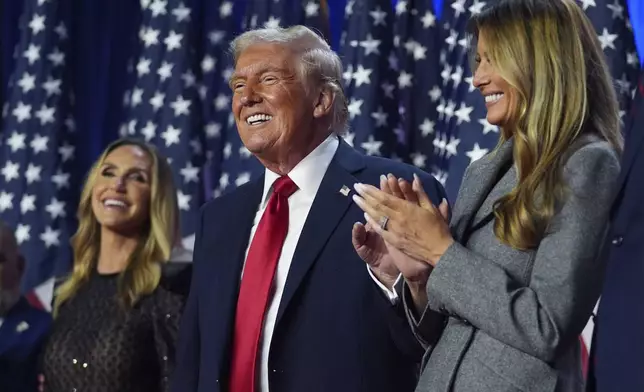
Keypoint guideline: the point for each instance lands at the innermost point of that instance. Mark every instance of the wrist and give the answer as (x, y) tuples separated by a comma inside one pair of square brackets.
[(440, 250), (417, 286), (384, 278), (419, 296)]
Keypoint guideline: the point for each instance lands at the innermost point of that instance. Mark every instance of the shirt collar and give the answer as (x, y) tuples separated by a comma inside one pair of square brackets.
[(308, 173)]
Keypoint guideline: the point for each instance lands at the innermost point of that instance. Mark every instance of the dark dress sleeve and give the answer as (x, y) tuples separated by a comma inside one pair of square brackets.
[(170, 299)]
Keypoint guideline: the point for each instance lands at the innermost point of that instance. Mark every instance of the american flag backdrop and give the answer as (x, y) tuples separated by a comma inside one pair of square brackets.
[(39, 182), (610, 18), (370, 78), (163, 105), (407, 80), (219, 28), (416, 63)]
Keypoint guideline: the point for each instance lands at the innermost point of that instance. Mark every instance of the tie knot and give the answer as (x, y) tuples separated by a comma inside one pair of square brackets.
[(284, 186)]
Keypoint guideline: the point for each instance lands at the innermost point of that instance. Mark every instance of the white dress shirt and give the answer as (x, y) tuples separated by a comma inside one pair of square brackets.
[(307, 175)]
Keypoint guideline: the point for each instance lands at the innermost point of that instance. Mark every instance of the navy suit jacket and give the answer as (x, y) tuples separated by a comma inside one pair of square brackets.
[(335, 329), (22, 336), (617, 357)]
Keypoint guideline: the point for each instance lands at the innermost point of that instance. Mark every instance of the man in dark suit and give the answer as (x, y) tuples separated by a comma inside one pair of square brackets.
[(617, 351), (306, 314), (22, 327)]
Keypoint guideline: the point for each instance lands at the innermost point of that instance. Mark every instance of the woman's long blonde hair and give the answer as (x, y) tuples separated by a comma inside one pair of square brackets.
[(143, 271), (548, 51)]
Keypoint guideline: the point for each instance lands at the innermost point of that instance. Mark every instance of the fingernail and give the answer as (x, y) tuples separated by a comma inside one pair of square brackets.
[(390, 175), (357, 186), (444, 200), (416, 177), (383, 177)]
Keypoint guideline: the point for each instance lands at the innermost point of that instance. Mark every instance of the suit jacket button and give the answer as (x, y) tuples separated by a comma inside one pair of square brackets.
[(442, 309), (617, 241)]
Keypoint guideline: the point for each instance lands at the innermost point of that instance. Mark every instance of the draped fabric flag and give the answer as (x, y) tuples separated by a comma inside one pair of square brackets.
[(219, 28), (39, 183), (163, 106), (613, 26), (463, 134), (284, 13), (239, 166), (371, 80), (417, 45)]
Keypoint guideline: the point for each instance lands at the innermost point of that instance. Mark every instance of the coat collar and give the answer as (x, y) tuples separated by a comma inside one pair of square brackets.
[(477, 184)]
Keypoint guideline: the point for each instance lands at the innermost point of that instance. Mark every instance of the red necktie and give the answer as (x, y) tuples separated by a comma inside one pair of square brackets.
[(264, 252)]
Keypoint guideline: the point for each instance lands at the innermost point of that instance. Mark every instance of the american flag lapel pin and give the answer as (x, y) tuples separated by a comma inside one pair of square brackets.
[(345, 190), (22, 327)]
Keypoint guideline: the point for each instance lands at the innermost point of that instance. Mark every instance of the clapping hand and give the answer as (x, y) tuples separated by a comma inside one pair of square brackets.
[(373, 250), (392, 259), (418, 230), (385, 259)]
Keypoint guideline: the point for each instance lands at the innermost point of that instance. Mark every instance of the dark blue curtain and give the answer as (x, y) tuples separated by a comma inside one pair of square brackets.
[(104, 34)]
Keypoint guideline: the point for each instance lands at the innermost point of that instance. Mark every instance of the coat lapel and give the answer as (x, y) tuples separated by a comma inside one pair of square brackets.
[(233, 231), (241, 210), (480, 180), (328, 208)]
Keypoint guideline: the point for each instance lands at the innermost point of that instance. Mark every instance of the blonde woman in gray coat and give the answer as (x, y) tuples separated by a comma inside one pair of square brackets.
[(499, 295)]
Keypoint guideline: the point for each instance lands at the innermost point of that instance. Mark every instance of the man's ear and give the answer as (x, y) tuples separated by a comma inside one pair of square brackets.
[(324, 103)]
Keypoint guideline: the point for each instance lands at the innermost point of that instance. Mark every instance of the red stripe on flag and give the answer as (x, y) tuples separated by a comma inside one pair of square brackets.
[(34, 301)]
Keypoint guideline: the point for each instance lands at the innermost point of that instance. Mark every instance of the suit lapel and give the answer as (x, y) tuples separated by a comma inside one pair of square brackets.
[(241, 210), (481, 179), (328, 208), (233, 231)]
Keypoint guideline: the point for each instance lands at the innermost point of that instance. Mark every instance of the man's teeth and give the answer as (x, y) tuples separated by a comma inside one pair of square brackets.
[(257, 118), (493, 97), (113, 202)]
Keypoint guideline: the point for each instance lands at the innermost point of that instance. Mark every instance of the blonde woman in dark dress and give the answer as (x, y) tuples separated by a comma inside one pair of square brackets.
[(116, 316)]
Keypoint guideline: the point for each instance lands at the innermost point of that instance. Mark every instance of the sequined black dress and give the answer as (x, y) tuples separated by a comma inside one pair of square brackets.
[(97, 346)]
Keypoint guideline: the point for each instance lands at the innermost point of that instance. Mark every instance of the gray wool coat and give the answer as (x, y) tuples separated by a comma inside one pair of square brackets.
[(501, 319)]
